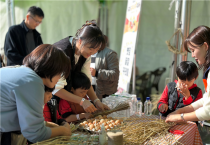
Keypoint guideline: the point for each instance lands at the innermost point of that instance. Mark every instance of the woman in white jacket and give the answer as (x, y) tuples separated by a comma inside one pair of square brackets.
[(198, 43)]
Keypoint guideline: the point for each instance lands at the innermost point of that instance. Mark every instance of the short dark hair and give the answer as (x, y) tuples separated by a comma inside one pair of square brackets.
[(187, 70), (80, 80), (90, 33), (48, 61), (36, 11)]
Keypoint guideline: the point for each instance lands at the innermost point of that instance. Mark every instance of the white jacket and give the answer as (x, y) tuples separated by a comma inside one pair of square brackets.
[(202, 106)]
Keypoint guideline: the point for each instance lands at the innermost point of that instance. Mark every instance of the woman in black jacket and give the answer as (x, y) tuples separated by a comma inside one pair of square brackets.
[(87, 41)]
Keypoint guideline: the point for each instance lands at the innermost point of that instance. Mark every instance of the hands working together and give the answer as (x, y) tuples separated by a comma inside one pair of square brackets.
[(90, 108)]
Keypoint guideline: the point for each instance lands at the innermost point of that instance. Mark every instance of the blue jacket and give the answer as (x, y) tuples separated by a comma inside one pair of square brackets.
[(21, 105)]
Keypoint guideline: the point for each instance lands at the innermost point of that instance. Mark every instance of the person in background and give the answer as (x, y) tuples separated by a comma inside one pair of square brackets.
[(105, 72), (198, 43), (22, 94), (72, 111), (87, 41), (22, 39), (180, 93)]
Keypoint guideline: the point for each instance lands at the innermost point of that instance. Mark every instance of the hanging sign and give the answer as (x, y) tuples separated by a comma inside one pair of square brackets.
[(129, 43)]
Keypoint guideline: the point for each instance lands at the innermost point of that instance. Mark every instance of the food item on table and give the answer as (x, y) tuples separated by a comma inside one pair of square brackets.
[(94, 124), (111, 125), (117, 121), (85, 122), (91, 126), (107, 127), (102, 120), (81, 125)]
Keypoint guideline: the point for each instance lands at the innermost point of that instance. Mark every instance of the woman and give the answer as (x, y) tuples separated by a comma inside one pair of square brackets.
[(88, 40), (22, 94), (198, 43)]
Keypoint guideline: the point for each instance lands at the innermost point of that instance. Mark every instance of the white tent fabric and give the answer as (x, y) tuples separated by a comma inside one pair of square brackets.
[(63, 18)]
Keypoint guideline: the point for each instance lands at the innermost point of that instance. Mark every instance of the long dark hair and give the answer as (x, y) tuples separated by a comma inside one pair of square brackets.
[(90, 33), (198, 36), (48, 61)]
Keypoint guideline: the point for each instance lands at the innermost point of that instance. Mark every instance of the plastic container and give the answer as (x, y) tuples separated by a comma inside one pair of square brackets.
[(134, 104), (102, 136), (148, 107), (139, 107)]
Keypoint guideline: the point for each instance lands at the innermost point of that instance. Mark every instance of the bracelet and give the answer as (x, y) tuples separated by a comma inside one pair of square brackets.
[(95, 100), (77, 117), (182, 116), (81, 102)]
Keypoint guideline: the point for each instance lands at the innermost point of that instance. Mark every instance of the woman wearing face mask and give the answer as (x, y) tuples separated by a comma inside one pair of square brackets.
[(22, 94), (87, 41), (198, 43)]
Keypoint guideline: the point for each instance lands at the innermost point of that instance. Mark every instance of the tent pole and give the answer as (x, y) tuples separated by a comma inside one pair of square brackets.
[(185, 24), (8, 13), (176, 38), (134, 74)]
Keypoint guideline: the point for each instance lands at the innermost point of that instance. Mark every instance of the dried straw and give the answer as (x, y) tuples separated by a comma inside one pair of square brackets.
[(75, 140), (139, 130), (60, 139), (73, 127), (119, 107)]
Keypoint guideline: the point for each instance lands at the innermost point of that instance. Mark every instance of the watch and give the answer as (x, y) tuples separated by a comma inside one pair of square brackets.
[(182, 116)]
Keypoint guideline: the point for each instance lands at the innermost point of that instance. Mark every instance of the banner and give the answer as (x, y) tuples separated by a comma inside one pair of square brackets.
[(129, 43)]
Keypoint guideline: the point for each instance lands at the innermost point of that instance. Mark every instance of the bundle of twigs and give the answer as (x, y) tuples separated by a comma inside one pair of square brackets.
[(73, 127), (61, 140), (119, 107), (172, 48), (56, 140), (140, 130)]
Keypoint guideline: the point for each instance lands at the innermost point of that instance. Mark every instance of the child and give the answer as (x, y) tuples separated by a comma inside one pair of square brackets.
[(180, 93), (71, 111), (50, 110)]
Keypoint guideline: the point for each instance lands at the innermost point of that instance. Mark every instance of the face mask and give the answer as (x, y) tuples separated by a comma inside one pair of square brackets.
[(47, 89)]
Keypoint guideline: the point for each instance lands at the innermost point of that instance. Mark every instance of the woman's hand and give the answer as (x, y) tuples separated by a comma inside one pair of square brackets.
[(173, 118), (66, 130), (88, 106), (101, 106), (51, 124)]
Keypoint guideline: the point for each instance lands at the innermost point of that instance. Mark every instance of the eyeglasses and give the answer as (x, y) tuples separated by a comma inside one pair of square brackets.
[(38, 22)]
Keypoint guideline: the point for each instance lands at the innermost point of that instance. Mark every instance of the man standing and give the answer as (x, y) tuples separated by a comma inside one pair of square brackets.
[(23, 38)]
